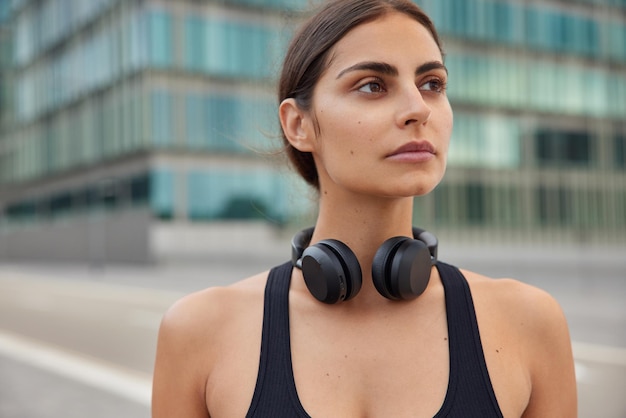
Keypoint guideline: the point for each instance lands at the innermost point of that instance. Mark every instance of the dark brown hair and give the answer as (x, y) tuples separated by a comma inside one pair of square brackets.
[(307, 56)]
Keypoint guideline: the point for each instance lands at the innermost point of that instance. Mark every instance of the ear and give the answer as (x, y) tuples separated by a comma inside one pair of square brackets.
[(297, 125)]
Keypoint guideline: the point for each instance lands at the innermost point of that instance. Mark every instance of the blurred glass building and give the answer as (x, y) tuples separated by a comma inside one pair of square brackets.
[(539, 93), (125, 122)]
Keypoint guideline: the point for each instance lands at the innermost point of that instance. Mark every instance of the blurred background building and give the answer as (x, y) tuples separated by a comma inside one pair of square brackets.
[(141, 130)]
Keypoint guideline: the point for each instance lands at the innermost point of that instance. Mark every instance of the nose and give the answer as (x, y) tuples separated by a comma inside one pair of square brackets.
[(412, 108)]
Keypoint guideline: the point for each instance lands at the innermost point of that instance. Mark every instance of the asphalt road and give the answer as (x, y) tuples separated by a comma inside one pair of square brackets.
[(78, 341)]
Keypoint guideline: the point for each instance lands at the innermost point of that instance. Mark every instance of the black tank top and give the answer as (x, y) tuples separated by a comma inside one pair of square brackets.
[(469, 393)]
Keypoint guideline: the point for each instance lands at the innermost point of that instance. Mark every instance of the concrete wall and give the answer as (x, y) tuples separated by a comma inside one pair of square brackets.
[(133, 236), (95, 238), (219, 241)]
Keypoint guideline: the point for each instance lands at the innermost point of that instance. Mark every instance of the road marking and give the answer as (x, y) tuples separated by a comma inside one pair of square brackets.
[(595, 353), (582, 372), (134, 386)]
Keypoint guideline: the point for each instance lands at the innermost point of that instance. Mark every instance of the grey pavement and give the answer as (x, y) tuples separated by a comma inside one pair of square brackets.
[(111, 312), (30, 392)]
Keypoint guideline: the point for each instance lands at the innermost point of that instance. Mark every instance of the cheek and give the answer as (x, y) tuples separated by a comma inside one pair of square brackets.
[(343, 133), (446, 125)]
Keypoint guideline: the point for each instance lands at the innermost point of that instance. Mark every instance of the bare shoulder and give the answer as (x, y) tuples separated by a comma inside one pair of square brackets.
[(529, 322), (534, 308), (195, 333), (201, 315), (213, 300)]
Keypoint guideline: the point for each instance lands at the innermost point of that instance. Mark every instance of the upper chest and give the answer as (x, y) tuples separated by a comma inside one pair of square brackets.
[(394, 363), (389, 364)]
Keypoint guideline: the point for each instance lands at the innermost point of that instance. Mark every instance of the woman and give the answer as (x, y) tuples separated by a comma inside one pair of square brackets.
[(366, 121)]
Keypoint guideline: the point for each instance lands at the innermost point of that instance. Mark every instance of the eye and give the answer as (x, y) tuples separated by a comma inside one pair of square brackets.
[(372, 87), (435, 85)]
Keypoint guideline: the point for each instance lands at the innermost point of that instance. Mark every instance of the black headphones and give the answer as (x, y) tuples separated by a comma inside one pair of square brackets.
[(400, 269)]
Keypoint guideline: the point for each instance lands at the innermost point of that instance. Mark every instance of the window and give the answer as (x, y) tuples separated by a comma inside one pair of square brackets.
[(229, 123), (560, 147), (617, 33), (616, 102), (21, 212), (235, 194), (446, 204), (620, 209), (587, 37), (289, 4), (231, 48), (160, 38), (577, 148), (195, 122), (502, 22), (554, 206), (222, 117), (195, 45), (162, 117), (459, 10), (485, 141), (535, 27), (60, 204), (24, 39), (619, 151), (140, 189), (134, 41), (88, 198), (475, 203), (589, 208), (162, 193), (507, 207), (201, 196), (557, 35)]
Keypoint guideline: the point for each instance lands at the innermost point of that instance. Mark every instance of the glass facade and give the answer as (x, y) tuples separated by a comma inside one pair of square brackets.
[(539, 93), (128, 77), (247, 194), (589, 29), (169, 105), (542, 85)]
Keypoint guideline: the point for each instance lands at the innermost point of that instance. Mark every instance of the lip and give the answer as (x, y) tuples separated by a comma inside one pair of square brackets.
[(414, 151)]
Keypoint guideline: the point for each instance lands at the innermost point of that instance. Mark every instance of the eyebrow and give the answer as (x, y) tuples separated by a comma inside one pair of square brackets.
[(388, 69)]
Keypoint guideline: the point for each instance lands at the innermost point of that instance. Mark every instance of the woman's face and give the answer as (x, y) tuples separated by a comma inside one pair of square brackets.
[(382, 112)]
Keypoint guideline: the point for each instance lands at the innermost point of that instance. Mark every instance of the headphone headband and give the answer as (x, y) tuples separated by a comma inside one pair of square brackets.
[(301, 240)]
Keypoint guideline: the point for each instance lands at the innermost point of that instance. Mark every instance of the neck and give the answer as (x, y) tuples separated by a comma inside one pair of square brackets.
[(363, 224), (360, 221)]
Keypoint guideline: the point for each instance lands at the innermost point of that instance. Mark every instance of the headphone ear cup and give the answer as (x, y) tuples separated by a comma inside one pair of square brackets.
[(401, 268), (331, 271), (381, 267)]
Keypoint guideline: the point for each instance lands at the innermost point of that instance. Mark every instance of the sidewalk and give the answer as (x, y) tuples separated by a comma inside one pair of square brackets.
[(28, 391)]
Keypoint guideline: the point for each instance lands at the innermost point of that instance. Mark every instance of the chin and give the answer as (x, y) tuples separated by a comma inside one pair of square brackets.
[(423, 191), (411, 191), (420, 188)]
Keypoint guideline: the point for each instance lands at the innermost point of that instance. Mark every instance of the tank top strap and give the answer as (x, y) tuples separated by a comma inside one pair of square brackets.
[(275, 393), (470, 392)]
